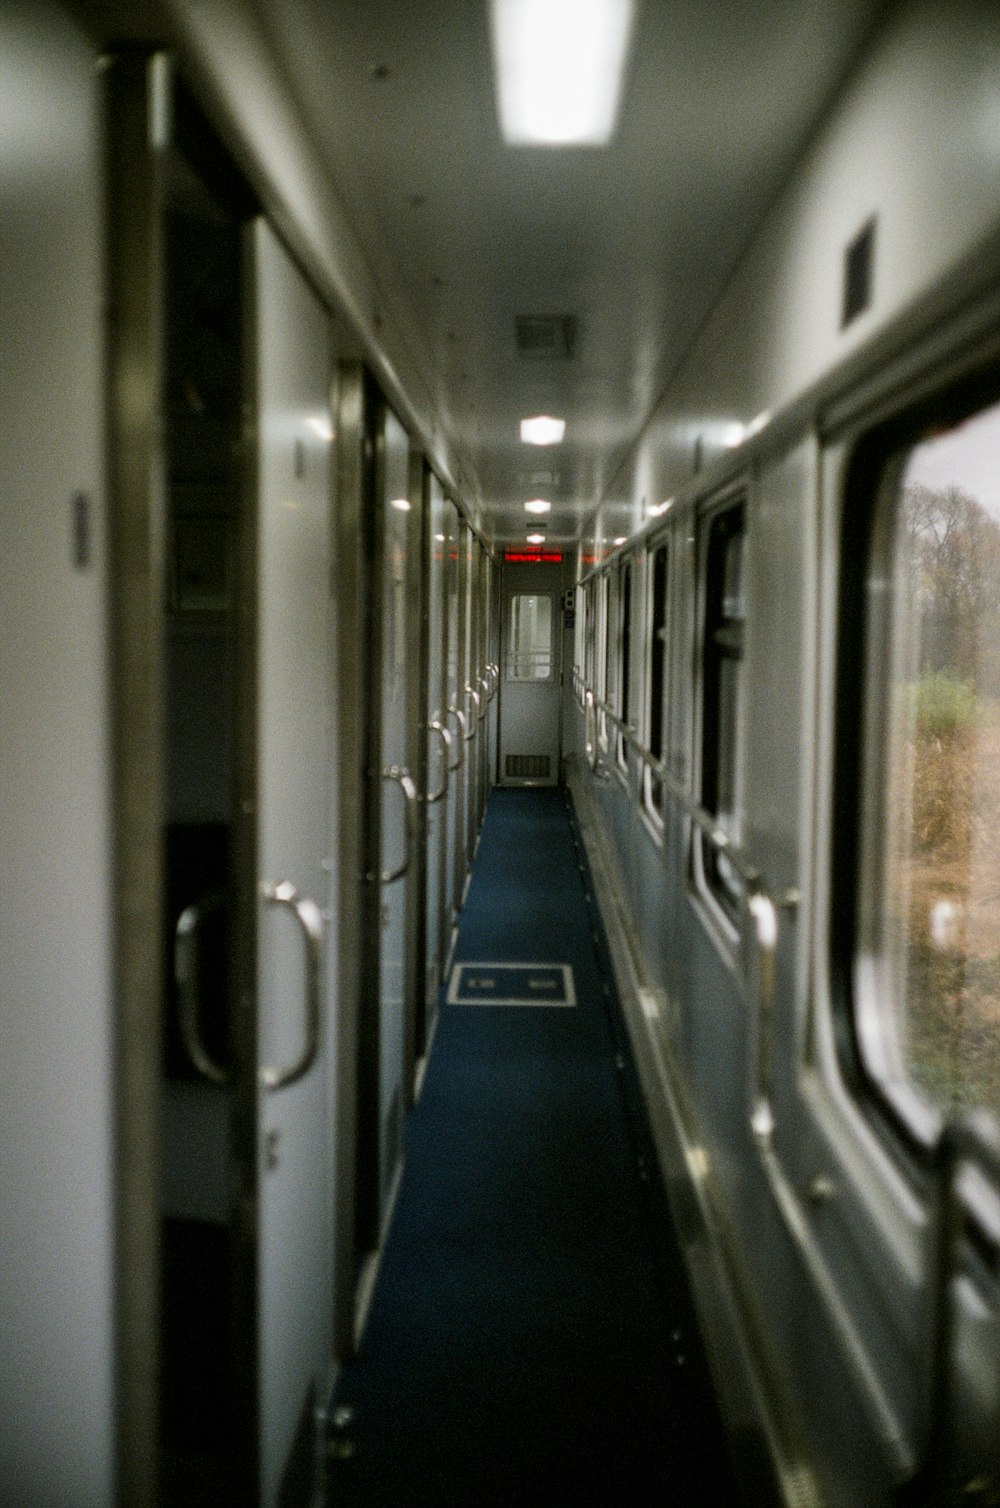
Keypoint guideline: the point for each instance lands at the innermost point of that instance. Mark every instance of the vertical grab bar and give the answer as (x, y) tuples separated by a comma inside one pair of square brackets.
[(402, 778), (186, 979), (970, 1138), (459, 716), (310, 920), (445, 737), (763, 915)]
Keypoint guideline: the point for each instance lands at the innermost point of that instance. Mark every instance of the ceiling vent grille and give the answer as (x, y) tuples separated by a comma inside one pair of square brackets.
[(545, 335)]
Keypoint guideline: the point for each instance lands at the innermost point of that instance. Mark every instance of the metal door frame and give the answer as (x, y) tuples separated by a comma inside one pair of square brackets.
[(137, 93)]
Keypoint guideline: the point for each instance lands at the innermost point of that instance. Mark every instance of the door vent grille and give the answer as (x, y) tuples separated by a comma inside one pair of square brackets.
[(540, 335), (527, 766)]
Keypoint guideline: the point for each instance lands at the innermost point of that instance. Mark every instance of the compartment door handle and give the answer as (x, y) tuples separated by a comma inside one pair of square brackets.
[(186, 979), (403, 779), (310, 920), (439, 728), (459, 716)]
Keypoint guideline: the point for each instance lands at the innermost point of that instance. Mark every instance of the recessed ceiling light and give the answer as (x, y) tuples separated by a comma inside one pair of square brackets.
[(543, 429), (620, 540), (401, 504), (537, 505), (536, 539), (558, 66)]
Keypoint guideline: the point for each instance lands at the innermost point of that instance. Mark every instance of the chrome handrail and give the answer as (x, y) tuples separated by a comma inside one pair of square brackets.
[(969, 1138)]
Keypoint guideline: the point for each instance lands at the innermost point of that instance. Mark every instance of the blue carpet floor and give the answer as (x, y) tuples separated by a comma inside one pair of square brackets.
[(531, 1339)]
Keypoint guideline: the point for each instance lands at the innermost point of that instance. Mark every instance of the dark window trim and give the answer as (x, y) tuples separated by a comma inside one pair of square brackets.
[(721, 640)]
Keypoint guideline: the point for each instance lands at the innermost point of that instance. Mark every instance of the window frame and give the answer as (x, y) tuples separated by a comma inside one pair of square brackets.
[(875, 466)]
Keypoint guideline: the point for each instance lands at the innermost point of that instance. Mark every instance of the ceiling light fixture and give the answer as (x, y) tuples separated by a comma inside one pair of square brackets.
[(558, 67), (537, 505), (543, 429), (536, 539)]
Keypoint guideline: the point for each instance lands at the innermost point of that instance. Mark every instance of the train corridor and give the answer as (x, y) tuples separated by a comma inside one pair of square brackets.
[(531, 1337)]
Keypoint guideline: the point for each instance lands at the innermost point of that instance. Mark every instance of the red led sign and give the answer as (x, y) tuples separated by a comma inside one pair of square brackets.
[(533, 557)]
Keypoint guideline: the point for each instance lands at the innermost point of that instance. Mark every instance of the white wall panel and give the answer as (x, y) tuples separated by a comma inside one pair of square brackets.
[(56, 1250), (913, 140)]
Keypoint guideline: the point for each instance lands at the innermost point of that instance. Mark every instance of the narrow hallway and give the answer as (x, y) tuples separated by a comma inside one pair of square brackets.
[(531, 1337)]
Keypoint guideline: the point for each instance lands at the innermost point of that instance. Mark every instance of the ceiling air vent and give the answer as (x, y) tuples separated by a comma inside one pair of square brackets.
[(541, 335)]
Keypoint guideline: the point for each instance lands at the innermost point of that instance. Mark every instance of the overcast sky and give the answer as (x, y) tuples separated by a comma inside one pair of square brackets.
[(968, 457)]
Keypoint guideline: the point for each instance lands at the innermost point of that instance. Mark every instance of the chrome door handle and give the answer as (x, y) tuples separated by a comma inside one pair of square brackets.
[(403, 780), (186, 979), (310, 920), (470, 690), (459, 717), (442, 732)]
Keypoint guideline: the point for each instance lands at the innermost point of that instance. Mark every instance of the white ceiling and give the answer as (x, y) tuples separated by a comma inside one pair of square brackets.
[(634, 241)]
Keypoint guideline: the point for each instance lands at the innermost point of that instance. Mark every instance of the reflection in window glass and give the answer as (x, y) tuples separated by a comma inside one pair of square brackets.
[(939, 908), (530, 641)]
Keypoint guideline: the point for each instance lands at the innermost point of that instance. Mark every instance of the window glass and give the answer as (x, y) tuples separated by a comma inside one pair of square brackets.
[(722, 691), (530, 656), (933, 798)]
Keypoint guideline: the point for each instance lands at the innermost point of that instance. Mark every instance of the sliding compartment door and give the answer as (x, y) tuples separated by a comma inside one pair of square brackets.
[(286, 847)]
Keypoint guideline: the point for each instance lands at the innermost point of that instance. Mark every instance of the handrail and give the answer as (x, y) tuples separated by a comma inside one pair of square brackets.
[(310, 920), (186, 979), (967, 1138), (403, 779), (704, 820), (439, 728)]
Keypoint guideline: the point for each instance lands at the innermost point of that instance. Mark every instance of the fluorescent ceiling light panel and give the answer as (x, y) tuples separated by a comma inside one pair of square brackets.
[(542, 430), (537, 505), (536, 539), (559, 66)]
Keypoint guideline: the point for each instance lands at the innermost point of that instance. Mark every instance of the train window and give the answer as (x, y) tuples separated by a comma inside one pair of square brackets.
[(530, 654), (722, 692), (927, 931), (624, 656), (656, 674)]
